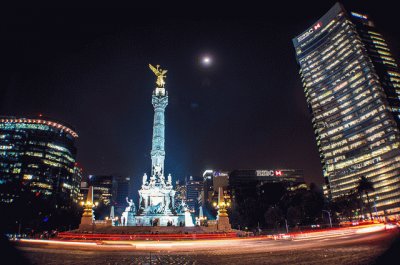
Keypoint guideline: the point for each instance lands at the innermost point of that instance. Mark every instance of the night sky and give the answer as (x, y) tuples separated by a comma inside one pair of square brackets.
[(89, 68)]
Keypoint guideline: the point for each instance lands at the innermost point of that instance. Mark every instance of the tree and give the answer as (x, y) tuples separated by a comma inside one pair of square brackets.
[(273, 216), (302, 205), (312, 203), (364, 187), (293, 215), (345, 205)]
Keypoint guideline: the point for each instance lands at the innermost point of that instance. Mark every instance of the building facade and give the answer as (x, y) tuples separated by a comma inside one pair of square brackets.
[(194, 186), (76, 182), (212, 181), (253, 191), (383, 61), (246, 183), (38, 155), (121, 190), (180, 192), (103, 188), (83, 191), (107, 190), (351, 83), (208, 189)]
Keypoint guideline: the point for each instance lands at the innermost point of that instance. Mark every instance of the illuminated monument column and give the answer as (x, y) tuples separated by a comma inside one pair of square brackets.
[(160, 102), (156, 203)]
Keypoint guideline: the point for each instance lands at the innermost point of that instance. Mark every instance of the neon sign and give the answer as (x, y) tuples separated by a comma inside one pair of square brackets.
[(309, 32), (268, 173)]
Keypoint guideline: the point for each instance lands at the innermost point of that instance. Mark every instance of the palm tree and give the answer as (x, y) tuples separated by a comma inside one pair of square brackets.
[(365, 186)]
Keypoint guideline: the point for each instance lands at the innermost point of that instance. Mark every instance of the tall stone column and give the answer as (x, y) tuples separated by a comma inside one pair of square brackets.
[(160, 102)]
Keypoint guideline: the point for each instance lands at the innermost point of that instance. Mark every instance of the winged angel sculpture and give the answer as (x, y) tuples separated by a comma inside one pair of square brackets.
[(160, 73)]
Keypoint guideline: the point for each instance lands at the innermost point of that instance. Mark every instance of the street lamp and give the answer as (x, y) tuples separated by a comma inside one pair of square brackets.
[(287, 227), (376, 211), (329, 214)]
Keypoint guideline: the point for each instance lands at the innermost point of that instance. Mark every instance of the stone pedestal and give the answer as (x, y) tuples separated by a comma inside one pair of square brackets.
[(131, 219), (188, 219), (160, 220), (86, 220), (109, 222), (87, 216), (86, 223), (222, 218), (223, 224)]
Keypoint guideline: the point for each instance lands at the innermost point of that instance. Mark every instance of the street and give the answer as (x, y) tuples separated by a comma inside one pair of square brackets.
[(344, 249)]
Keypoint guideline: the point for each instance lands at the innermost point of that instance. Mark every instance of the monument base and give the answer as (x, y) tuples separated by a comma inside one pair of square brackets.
[(85, 225), (223, 223), (131, 219), (86, 222), (150, 230), (159, 220)]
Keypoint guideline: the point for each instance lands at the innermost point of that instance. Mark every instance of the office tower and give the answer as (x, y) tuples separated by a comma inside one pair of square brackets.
[(351, 83), (249, 183), (194, 186), (38, 155), (121, 190), (76, 182), (180, 194), (102, 188), (212, 181)]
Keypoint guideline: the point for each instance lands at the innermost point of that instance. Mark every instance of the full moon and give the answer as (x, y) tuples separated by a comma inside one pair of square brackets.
[(206, 60)]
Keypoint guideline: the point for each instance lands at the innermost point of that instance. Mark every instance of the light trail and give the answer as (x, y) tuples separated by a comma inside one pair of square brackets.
[(190, 245), (71, 243), (358, 247)]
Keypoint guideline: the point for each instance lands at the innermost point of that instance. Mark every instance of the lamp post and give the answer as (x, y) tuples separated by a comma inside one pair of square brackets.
[(287, 227), (376, 211), (19, 226), (329, 214)]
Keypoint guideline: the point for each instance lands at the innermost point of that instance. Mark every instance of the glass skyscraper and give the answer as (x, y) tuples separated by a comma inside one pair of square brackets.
[(194, 185), (352, 86), (37, 155)]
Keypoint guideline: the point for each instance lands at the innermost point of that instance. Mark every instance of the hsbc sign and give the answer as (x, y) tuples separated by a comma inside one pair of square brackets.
[(268, 173), (309, 32)]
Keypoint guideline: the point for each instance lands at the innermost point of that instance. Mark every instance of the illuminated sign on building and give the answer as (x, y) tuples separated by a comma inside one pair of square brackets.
[(354, 14), (268, 173), (309, 31), (264, 173)]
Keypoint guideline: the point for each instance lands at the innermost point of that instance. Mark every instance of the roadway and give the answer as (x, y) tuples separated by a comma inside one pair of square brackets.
[(354, 249)]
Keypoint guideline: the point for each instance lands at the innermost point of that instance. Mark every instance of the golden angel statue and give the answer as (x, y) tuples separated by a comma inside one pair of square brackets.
[(160, 73)]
